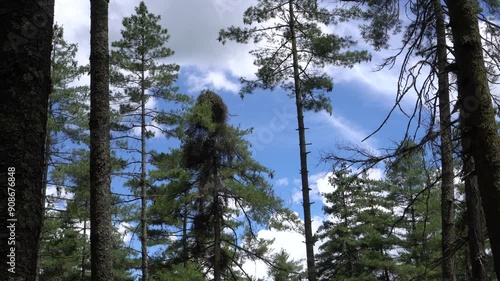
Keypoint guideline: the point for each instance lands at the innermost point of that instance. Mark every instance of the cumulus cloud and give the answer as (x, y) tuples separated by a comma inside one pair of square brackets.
[(194, 26)]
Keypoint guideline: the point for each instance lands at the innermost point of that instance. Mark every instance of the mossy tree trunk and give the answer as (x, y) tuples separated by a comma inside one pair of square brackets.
[(477, 114)]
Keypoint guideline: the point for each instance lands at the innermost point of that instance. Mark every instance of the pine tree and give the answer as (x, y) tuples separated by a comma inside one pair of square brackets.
[(66, 244), (357, 238), (299, 50), (67, 109), (137, 68), (285, 269), (419, 219), (418, 40), (212, 190)]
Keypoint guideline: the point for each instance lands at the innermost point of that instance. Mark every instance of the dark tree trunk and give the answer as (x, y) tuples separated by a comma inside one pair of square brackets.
[(100, 168), (475, 226), (477, 114), (447, 186), (311, 268), (217, 226), (25, 47)]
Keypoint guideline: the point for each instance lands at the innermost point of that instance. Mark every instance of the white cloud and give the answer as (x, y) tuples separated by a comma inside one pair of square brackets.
[(194, 26), (215, 80), (291, 242), (282, 182), (125, 230), (316, 182)]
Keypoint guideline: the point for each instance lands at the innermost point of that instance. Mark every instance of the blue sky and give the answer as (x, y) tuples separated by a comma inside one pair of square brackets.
[(361, 97)]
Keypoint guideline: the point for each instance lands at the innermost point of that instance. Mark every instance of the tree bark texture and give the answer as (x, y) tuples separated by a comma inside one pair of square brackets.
[(477, 114), (26, 43), (100, 168), (446, 147)]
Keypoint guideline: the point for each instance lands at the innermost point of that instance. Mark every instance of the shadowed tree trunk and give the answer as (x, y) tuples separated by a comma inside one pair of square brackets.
[(25, 42), (477, 114), (474, 217), (475, 227), (100, 168), (447, 186)]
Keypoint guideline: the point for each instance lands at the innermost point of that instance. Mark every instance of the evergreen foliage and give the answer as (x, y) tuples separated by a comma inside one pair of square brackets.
[(382, 230), (215, 194)]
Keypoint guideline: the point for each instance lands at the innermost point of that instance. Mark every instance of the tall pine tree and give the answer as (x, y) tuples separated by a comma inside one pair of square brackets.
[(136, 61), (296, 51)]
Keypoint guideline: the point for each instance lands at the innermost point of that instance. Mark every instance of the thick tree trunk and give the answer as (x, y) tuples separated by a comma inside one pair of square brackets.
[(100, 167), (311, 268), (477, 114), (447, 175), (25, 47)]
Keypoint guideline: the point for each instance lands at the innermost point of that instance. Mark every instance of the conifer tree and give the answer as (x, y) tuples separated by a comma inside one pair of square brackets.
[(212, 190), (298, 51), (137, 68), (67, 110), (65, 241), (419, 221), (357, 238), (285, 269)]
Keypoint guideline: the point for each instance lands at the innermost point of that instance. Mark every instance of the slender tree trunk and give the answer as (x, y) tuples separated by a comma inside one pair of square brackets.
[(447, 187), (84, 249), (477, 114), (311, 269), (100, 166), (144, 226), (25, 48), (217, 235), (414, 243), (184, 235)]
